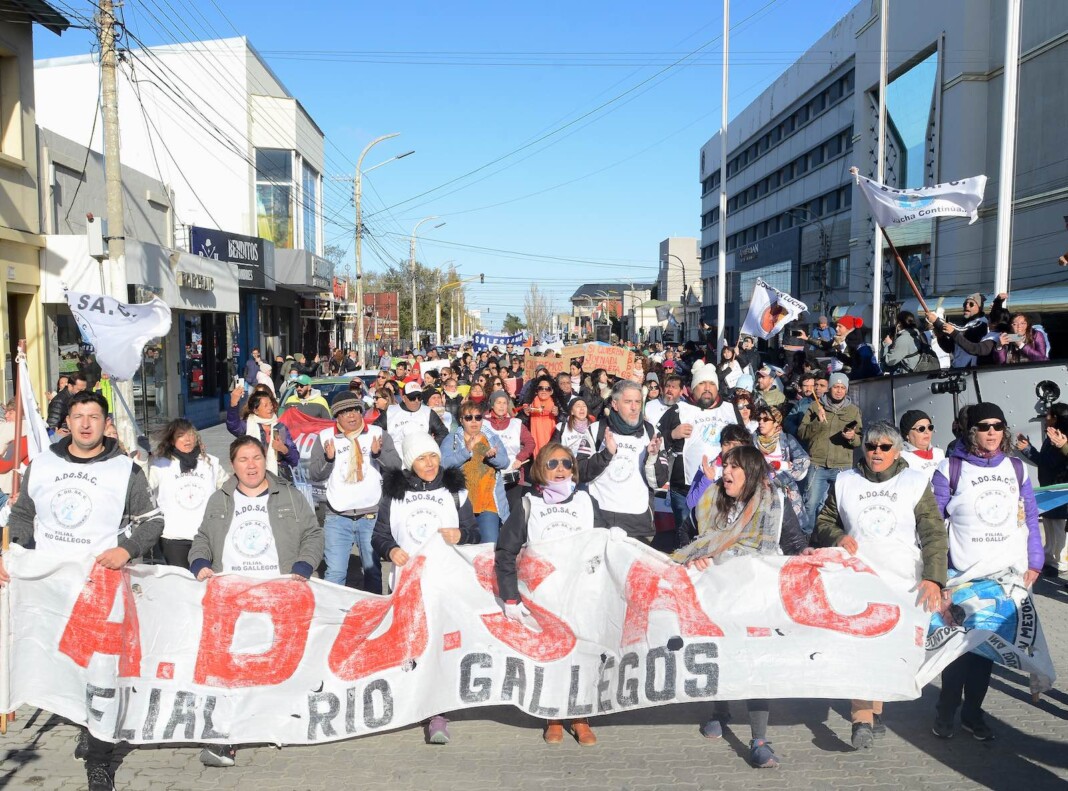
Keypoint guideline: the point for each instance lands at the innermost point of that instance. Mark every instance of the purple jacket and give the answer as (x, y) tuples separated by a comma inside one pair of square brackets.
[(940, 485), (236, 426)]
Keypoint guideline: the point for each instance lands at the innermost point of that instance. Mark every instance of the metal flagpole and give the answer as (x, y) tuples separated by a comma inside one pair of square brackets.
[(880, 161), (721, 288), (1009, 86), (5, 543)]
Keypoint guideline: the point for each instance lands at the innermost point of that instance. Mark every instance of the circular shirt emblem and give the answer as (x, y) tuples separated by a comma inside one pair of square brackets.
[(252, 538), (190, 494), (422, 524), (71, 508), (620, 468), (993, 508), (877, 520), (560, 529)]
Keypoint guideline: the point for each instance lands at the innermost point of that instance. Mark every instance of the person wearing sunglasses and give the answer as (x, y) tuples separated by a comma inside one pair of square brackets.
[(973, 328), (987, 498), (782, 452), (541, 411), (552, 508), (919, 451), (885, 508), (480, 454)]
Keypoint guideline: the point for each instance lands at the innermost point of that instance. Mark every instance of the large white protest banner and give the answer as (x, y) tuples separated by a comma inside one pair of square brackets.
[(149, 654), (118, 331), (893, 207), (770, 310)]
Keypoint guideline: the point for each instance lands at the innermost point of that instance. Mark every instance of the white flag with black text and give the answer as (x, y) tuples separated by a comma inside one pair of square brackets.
[(118, 331), (894, 207)]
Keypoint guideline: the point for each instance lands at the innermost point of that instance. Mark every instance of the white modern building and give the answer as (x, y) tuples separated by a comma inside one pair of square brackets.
[(794, 216), (243, 163), (679, 283)]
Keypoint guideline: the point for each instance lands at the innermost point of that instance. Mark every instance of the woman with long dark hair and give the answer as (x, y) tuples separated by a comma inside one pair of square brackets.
[(182, 475), (542, 410), (259, 419), (746, 512)]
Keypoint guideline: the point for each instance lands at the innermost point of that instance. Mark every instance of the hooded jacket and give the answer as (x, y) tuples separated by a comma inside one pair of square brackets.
[(397, 483), (139, 502)]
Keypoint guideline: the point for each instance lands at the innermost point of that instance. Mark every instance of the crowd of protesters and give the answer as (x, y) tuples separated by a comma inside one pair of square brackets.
[(750, 457)]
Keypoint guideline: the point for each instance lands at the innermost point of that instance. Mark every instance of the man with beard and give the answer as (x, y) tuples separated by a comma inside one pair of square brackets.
[(693, 433), (623, 472), (308, 400), (830, 431), (974, 327), (669, 396)]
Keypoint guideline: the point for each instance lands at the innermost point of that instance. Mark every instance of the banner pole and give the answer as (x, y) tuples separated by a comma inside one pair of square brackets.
[(905, 271), (5, 543)]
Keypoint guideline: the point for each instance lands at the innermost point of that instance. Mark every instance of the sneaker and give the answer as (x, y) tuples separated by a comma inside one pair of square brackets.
[(863, 737), (979, 729), (878, 727), (943, 729), (437, 730), (98, 777), (712, 729), (761, 756), (219, 755), (81, 747)]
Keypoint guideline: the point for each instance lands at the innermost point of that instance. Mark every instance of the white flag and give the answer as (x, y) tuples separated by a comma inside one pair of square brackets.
[(770, 310), (118, 331), (34, 427), (894, 207)]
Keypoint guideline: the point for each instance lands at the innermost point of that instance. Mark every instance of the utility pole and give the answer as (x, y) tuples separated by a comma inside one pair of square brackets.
[(115, 269)]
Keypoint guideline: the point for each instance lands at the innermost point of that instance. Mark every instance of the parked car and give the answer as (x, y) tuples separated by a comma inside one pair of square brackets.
[(330, 386)]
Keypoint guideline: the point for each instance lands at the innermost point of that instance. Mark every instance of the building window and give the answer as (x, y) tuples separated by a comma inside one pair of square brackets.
[(10, 106), (274, 196), (310, 208), (838, 273)]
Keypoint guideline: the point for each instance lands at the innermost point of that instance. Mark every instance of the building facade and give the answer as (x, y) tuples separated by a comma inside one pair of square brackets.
[(679, 283), (789, 154)]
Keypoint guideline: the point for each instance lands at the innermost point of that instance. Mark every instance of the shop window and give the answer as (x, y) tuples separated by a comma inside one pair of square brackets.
[(274, 196), (310, 212)]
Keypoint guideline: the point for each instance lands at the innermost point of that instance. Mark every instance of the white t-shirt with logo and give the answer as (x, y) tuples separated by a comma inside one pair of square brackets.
[(354, 495), (183, 496), (546, 521), (399, 421), (622, 486), (249, 548), (421, 514), (79, 506), (703, 441)]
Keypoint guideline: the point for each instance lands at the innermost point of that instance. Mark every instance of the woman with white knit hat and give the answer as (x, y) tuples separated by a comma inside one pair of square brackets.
[(418, 502)]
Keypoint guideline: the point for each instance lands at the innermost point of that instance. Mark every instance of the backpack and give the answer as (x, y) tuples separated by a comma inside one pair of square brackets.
[(926, 359), (956, 464)]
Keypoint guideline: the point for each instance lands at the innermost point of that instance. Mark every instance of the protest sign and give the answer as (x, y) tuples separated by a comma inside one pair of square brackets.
[(614, 359), (149, 655)]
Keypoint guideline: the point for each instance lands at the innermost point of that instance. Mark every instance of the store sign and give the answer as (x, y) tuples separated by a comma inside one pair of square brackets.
[(194, 281), (340, 290), (247, 252), (322, 273), (749, 253)]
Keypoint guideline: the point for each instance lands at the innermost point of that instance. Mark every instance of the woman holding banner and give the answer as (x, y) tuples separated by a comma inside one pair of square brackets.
[(989, 503), (746, 512), (182, 476), (552, 509)]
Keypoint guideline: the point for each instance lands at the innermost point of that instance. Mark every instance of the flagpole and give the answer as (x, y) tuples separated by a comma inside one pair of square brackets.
[(905, 271), (880, 161), (1009, 85), (5, 544), (721, 270)]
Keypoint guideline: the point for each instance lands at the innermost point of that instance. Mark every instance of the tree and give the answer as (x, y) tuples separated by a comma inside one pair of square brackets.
[(536, 311), (512, 324), (398, 277), (334, 253)]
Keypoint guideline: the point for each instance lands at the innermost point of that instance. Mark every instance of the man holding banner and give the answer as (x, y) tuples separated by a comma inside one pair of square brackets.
[(84, 495)]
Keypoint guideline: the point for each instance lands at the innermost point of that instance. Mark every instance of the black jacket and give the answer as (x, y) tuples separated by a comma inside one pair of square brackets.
[(58, 408), (397, 483), (513, 538)]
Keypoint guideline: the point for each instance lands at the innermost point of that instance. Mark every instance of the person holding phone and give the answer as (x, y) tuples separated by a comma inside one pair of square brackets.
[(830, 432)]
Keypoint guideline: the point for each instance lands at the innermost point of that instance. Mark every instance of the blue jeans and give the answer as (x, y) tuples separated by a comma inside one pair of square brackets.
[(341, 532), (820, 480), (681, 512), (489, 526)]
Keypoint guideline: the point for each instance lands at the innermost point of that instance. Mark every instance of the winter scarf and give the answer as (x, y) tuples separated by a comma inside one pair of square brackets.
[(254, 427), (187, 462), (749, 528)]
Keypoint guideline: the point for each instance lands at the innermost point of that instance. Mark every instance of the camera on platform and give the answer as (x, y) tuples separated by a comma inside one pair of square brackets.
[(953, 383)]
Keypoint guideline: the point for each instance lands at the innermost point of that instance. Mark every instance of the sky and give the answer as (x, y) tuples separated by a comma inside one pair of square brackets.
[(557, 141)]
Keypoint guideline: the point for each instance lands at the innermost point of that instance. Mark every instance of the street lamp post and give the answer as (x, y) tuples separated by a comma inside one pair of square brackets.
[(358, 195), (411, 261), (683, 298)]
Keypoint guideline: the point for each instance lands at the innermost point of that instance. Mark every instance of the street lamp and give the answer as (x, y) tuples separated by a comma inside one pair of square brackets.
[(360, 340), (683, 299), (411, 260)]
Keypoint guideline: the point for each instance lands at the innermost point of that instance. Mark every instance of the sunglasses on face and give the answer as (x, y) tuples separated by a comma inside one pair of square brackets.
[(765, 419), (970, 304), (471, 418), (545, 389), (885, 447), (552, 464), (923, 429), (744, 406), (996, 425)]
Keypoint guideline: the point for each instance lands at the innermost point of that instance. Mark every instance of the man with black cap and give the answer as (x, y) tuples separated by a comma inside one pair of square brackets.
[(411, 414), (975, 327), (349, 456), (307, 400)]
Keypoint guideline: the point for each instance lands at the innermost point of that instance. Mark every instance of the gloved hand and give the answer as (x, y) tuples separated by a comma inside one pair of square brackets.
[(516, 611)]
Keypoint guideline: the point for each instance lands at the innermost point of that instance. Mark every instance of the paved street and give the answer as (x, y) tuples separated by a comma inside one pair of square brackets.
[(500, 748)]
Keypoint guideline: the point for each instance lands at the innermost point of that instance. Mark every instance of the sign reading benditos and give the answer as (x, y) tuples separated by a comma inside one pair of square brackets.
[(247, 252)]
